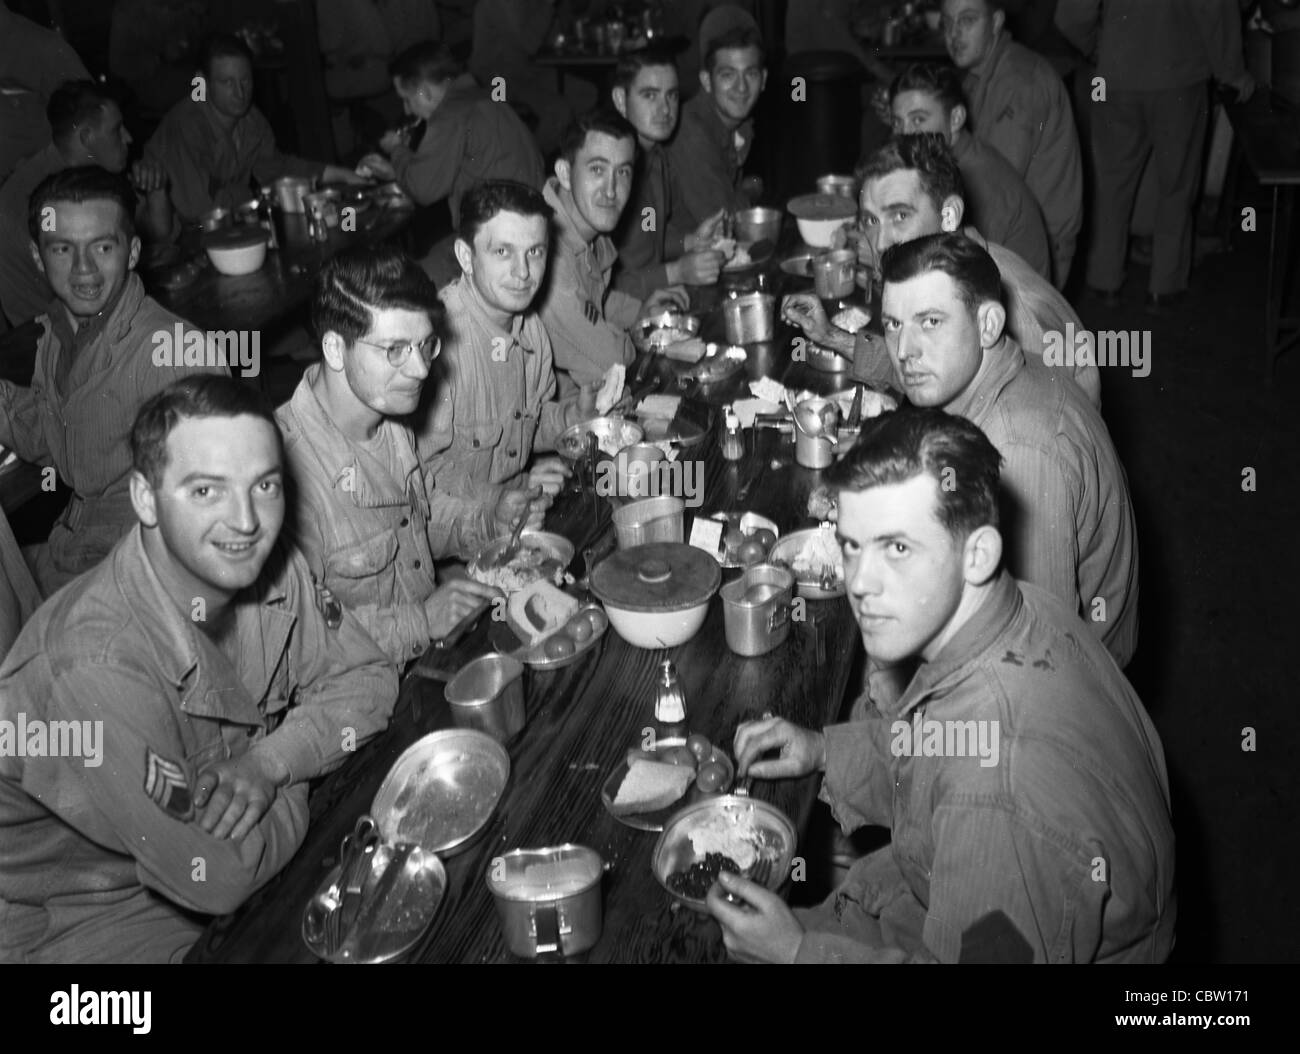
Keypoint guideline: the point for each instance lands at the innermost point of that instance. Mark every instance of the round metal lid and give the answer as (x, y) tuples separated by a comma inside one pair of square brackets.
[(822, 207), (660, 576)]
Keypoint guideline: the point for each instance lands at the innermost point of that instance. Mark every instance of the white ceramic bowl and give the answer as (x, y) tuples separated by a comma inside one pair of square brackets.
[(237, 260), (818, 233), (658, 629)]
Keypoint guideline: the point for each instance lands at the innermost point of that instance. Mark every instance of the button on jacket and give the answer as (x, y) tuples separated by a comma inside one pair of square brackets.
[(210, 166), (492, 402), (1067, 519), (585, 319), (1069, 833), (1000, 204), (705, 159), (1019, 106), (366, 523), (77, 416), (469, 138), (105, 862)]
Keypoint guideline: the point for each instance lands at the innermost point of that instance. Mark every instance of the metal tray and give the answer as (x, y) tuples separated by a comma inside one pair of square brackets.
[(535, 655), (554, 547), (784, 552), (442, 791), (654, 821), (748, 522)]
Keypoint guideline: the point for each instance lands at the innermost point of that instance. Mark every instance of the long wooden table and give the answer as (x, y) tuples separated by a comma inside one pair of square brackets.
[(580, 721)]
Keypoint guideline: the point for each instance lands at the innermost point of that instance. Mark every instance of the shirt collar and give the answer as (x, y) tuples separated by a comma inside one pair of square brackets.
[(113, 320), (1001, 606), (468, 295), (962, 144), (991, 60), (1001, 363), (601, 249)]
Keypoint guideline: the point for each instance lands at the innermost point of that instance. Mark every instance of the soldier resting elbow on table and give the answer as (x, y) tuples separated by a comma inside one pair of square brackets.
[(363, 511), (1018, 773)]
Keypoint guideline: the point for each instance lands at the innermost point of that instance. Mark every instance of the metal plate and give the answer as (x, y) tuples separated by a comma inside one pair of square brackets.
[(557, 553), (774, 833), (535, 656), (760, 252), (799, 265), (827, 361), (442, 791), (809, 586), (387, 929), (654, 821), (612, 431), (679, 430), (720, 363), (656, 332), (748, 522)]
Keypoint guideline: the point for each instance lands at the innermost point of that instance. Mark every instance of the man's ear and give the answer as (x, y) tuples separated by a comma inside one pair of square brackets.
[(143, 500), (763, 83), (333, 347), (992, 321), (981, 555), (706, 82), (999, 20), (957, 118), (950, 213), (564, 174), (36, 255), (619, 95), (134, 253), (465, 254)]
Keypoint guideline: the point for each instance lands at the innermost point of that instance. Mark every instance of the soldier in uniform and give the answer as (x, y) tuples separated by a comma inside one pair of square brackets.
[(161, 716)]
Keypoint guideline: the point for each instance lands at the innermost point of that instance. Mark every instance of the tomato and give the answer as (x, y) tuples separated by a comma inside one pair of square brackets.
[(559, 647), (766, 537), (751, 552), (732, 537), (711, 778), (598, 620), (678, 756), (580, 629), (699, 746)]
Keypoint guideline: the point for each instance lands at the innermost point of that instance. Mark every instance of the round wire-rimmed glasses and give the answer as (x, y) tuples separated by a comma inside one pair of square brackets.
[(428, 348)]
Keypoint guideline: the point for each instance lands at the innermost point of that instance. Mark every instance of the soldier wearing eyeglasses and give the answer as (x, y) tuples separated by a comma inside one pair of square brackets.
[(363, 510)]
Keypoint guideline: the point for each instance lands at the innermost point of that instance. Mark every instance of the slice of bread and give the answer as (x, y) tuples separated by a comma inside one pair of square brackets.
[(538, 610), (651, 785)]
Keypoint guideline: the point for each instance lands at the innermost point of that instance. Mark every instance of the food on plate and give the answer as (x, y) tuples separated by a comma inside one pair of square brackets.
[(768, 389), (579, 629), (559, 646), (764, 537), (678, 756), (819, 550), (699, 746), (611, 389), (532, 563), (538, 610), (726, 246), (691, 350), (696, 881), (740, 258), (733, 834), (733, 537), (711, 778), (821, 503), (851, 319), (597, 619), (651, 785), (751, 551)]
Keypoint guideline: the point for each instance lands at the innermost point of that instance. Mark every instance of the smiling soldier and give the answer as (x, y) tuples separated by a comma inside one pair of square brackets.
[(94, 364), (224, 682), (1067, 833)]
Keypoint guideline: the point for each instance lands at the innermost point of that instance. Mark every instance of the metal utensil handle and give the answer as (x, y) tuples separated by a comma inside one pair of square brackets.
[(464, 625), (546, 921)]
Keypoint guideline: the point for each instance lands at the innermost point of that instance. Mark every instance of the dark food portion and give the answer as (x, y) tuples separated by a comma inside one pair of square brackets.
[(697, 879)]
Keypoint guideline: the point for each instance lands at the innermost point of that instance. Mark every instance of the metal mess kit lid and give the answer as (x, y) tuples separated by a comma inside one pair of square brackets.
[(659, 576)]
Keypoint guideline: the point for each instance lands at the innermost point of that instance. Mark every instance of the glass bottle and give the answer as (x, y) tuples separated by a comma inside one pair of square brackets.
[(670, 705), (733, 444)]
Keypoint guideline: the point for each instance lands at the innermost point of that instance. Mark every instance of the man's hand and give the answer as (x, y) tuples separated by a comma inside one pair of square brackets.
[(391, 140), (708, 232), (697, 268), (531, 503), (674, 297), (451, 603), (374, 166), (235, 794), (805, 311), (148, 176), (339, 174), (802, 751), (765, 930), (550, 474)]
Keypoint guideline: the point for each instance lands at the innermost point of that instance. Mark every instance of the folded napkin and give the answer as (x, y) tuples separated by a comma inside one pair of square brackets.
[(746, 409)]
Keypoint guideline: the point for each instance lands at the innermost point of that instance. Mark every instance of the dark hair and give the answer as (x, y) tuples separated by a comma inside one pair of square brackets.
[(633, 62), (371, 276), (966, 262), (426, 61), (943, 82), (484, 200), (902, 444), (605, 120), (202, 395), (223, 46), (76, 185), (742, 36), (75, 104), (928, 155)]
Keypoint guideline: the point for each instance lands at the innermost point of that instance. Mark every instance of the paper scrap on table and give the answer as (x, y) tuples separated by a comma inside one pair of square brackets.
[(664, 406), (706, 534), (747, 409), (766, 388), (611, 389)]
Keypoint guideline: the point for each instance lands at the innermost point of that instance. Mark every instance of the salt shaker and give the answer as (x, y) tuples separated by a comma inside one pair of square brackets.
[(670, 705), (733, 444)]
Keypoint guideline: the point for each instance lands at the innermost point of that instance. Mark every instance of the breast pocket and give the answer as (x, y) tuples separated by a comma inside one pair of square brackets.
[(363, 573), (477, 451)]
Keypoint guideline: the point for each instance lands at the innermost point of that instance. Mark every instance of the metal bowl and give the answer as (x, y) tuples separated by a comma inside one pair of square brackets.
[(721, 362), (656, 332), (442, 791), (754, 225), (557, 553), (773, 836), (807, 583), (613, 433)]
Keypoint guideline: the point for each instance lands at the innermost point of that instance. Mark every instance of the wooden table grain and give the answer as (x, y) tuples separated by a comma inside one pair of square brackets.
[(580, 722)]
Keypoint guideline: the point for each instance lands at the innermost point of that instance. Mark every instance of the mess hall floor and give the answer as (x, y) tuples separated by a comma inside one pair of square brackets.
[(1218, 649)]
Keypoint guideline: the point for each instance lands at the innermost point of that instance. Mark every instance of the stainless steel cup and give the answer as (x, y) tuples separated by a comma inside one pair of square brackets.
[(749, 318), (488, 695), (548, 900), (659, 519), (833, 273), (756, 609)]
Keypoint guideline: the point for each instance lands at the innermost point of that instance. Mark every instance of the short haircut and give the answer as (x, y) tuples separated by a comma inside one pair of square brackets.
[(966, 262), (736, 37), (633, 62), (943, 82), (75, 104), (203, 395), (224, 46), (484, 200), (426, 61), (604, 120), (928, 155), (77, 185), (365, 277), (905, 443)]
